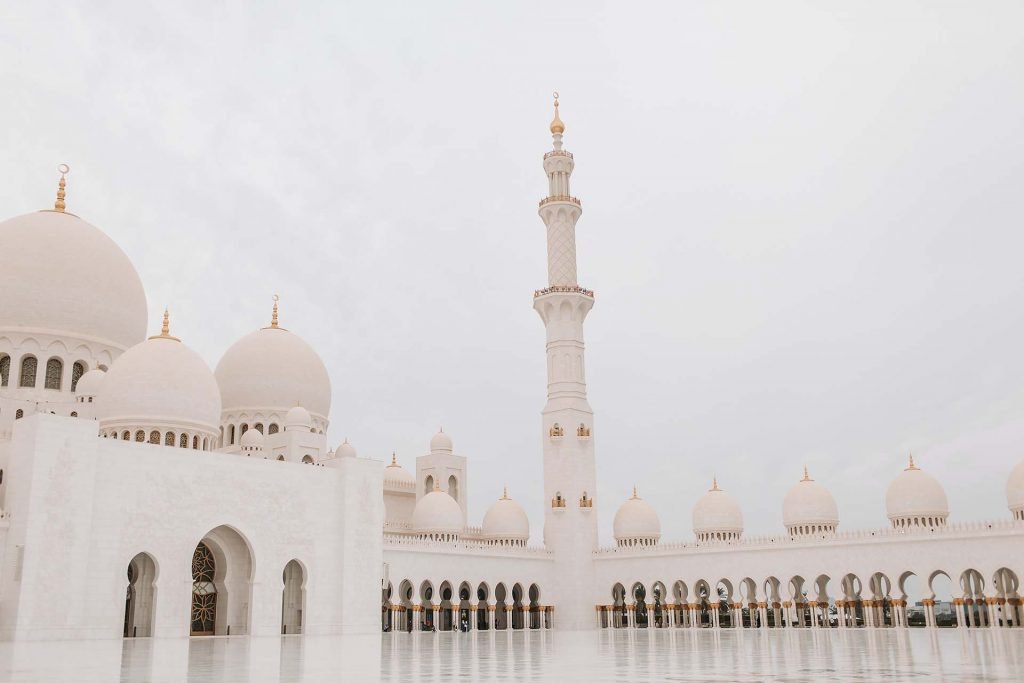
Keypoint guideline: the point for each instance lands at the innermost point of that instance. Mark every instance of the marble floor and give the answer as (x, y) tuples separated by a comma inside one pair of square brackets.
[(620, 655)]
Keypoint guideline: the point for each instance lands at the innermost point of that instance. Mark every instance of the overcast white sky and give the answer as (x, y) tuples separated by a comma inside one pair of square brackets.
[(803, 222)]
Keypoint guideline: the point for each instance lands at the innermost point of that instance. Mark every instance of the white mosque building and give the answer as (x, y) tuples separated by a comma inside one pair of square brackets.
[(142, 494)]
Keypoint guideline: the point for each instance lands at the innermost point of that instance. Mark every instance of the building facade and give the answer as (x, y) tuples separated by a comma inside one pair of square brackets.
[(142, 494)]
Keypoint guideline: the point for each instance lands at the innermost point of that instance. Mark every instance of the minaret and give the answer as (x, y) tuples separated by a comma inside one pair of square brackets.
[(570, 522)]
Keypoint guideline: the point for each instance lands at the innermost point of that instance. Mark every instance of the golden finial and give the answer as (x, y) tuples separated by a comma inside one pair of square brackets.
[(912, 466), (634, 493), (165, 328), (394, 461), (273, 316), (59, 204), (714, 484), (504, 493), (557, 127), (807, 477)]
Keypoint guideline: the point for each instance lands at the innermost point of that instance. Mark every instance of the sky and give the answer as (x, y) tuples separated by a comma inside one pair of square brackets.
[(802, 221)]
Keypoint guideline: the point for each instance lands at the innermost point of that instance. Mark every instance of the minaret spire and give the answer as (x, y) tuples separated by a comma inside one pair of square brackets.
[(63, 169)]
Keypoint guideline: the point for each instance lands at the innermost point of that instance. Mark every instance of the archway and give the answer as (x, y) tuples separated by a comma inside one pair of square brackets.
[(619, 617), (750, 613), (639, 594), (725, 603), (1008, 611), (682, 609), (444, 619), (427, 606), (406, 621), (222, 569), (535, 616), (140, 599), (773, 598), (517, 607), (465, 621), (482, 596), (658, 593), (705, 603), (500, 610), (293, 597), (387, 610)]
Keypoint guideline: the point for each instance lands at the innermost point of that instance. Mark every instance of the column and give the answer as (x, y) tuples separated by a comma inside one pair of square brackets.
[(694, 614), (417, 621), (551, 616), (716, 616), (508, 617), (991, 603)]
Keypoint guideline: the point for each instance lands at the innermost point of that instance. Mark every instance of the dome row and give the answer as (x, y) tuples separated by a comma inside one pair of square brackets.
[(913, 499)]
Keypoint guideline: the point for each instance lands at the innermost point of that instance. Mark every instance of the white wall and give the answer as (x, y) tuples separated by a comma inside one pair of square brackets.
[(82, 507)]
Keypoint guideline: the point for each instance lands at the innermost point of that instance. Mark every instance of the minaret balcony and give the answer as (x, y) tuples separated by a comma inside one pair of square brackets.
[(563, 289), (560, 198), (558, 153)]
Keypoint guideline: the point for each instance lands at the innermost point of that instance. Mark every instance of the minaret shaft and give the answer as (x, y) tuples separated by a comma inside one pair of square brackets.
[(570, 480)]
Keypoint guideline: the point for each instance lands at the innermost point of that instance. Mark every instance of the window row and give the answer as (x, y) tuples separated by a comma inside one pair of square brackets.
[(28, 373), (198, 443)]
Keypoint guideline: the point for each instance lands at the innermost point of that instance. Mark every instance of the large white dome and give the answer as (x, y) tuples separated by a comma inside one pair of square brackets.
[(160, 383), (916, 498), (62, 276), (717, 516), (636, 521), (273, 370), (1015, 491), (809, 507), (506, 521), (437, 513)]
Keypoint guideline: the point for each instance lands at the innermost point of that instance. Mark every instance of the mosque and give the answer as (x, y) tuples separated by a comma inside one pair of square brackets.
[(142, 494)]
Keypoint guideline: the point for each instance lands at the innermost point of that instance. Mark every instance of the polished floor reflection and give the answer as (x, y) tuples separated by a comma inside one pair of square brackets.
[(619, 655)]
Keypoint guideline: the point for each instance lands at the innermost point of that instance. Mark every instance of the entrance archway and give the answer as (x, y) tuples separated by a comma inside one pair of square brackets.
[(221, 584), (140, 599), (293, 599)]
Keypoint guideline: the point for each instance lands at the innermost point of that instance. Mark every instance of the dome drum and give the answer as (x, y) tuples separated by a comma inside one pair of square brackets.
[(437, 517), (809, 510)]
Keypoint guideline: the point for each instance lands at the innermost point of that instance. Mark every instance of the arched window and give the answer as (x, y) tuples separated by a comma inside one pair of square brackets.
[(205, 443), (307, 460), (453, 487), (154, 437), (258, 427), (5, 370), (428, 484), (231, 434), (280, 457), (54, 370), (126, 435), (77, 370), (28, 372), (244, 428), (169, 439), (195, 443), (19, 413), (74, 414), (140, 436), (272, 429), (183, 443)]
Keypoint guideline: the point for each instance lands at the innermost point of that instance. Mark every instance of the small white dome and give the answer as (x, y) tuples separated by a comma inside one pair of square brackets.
[(271, 370), (252, 439), (636, 520), (506, 521), (717, 514), (160, 383), (437, 513), (1015, 489), (809, 504), (90, 383), (345, 450), (914, 497), (396, 476), (65, 277), (298, 418), (441, 443)]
